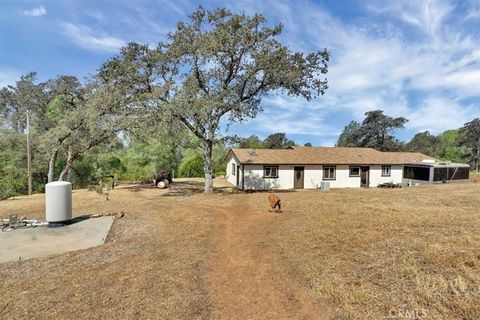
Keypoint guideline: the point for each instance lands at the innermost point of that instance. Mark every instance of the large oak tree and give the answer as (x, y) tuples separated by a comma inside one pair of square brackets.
[(217, 66)]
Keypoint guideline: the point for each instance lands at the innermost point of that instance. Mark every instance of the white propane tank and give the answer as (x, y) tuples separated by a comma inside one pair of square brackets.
[(58, 201), (163, 184)]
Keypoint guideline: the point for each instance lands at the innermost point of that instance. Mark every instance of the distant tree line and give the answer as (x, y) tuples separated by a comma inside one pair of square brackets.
[(277, 140), (377, 131)]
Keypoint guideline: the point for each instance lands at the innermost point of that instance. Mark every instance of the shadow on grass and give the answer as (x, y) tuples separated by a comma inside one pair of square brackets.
[(190, 188), (271, 191), (184, 189), (139, 187)]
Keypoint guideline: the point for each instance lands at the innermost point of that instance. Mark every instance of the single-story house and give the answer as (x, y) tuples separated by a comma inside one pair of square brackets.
[(308, 167)]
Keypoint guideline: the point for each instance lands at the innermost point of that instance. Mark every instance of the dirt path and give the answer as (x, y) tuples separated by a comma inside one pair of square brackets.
[(247, 278)]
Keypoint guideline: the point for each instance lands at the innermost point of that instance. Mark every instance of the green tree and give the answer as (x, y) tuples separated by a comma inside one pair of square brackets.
[(191, 165), (13, 165), (278, 140), (219, 153), (448, 147), (83, 171), (252, 142), (350, 136), (80, 119), (376, 131), (425, 143), (142, 158), (60, 118), (16, 100), (17, 103), (307, 144), (218, 65), (469, 136)]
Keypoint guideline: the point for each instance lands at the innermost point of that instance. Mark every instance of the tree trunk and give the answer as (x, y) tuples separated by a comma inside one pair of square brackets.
[(477, 160), (29, 155), (51, 166), (208, 167), (65, 174)]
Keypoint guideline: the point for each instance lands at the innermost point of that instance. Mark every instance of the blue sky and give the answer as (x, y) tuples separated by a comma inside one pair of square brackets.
[(417, 59)]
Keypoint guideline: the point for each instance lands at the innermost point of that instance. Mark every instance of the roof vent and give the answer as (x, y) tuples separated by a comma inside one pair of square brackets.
[(428, 161), (253, 153)]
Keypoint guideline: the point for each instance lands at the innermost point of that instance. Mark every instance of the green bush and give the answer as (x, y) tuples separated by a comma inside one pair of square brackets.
[(191, 166), (13, 165), (83, 172)]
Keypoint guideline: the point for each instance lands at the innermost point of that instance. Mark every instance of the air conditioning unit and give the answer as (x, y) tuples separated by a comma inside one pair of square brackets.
[(325, 186)]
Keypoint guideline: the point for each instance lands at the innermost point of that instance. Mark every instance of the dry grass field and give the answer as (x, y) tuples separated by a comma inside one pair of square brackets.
[(344, 254)]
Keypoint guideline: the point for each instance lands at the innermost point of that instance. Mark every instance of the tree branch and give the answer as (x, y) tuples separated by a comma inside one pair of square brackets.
[(198, 75), (253, 93), (191, 127)]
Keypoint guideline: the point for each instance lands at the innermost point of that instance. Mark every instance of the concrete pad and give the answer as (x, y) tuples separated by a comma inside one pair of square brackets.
[(42, 241)]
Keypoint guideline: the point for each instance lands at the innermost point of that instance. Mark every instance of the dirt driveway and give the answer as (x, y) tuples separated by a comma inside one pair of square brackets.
[(246, 276)]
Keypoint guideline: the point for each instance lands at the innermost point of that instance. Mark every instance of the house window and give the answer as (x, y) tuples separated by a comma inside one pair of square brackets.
[(270, 172), (386, 171), (354, 171), (233, 169), (329, 173)]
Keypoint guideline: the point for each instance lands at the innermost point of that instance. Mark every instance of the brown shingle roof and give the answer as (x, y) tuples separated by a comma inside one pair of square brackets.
[(330, 155)]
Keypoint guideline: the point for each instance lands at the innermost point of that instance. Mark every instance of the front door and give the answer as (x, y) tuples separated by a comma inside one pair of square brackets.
[(298, 177), (238, 176), (365, 177)]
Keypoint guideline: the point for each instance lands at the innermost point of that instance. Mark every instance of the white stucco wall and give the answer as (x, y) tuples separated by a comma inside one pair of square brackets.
[(231, 177), (343, 179), (313, 176), (376, 178), (254, 178)]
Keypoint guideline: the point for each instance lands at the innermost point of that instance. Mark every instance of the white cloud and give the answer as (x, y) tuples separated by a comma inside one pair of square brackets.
[(95, 14), (8, 77), (427, 15), (35, 12), (473, 14), (438, 114), (175, 5), (86, 38), (328, 143), (293, 115)]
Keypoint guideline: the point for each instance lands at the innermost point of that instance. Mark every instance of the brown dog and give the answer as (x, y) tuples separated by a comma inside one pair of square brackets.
[(274, 203)]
